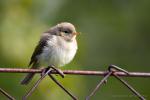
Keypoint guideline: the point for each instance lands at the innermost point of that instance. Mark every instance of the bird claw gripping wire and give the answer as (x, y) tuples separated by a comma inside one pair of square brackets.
[(45, 72), (111, 71), (59, 71)]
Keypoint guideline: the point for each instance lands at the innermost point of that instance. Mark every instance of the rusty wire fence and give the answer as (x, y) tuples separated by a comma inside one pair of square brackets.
[(113, 70)]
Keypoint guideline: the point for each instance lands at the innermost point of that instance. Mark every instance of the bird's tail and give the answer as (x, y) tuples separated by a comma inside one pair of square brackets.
[(29, 76)]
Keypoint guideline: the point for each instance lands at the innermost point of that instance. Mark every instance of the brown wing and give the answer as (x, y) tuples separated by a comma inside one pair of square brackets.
[(39, 48)]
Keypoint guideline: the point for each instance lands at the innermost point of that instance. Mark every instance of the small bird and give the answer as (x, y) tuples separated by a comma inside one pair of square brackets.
[(56, 47)]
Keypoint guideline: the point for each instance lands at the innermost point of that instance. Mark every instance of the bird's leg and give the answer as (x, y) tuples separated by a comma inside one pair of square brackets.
[(59, 71)]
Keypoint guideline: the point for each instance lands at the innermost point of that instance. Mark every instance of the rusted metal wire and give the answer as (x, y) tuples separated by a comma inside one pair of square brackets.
[(112, 71), (61, 86), (130, 87), (35, 85), (75, 72), (6, 94), (47, 71), (98, 86)]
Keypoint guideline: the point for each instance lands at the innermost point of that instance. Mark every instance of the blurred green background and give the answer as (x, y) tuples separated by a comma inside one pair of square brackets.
[(112, 32)]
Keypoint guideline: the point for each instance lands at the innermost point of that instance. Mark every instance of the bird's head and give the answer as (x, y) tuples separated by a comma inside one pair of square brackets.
[(65, 30)]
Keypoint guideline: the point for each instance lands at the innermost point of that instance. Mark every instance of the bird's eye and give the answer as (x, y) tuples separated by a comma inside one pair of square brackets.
[(66, 32)]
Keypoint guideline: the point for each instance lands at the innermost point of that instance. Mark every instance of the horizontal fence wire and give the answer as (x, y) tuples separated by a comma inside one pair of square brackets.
[(112, 71), (75, 72)]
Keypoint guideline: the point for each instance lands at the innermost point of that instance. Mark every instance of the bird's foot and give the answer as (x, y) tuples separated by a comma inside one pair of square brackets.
[(59, 71)]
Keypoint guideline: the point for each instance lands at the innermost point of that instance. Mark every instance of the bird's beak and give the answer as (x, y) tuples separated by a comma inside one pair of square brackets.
[(76, 33)]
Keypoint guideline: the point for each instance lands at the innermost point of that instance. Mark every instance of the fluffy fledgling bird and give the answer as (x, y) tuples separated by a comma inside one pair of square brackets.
[(56, 47)]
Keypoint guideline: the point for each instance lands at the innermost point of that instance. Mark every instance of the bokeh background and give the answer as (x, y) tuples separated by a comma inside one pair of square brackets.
[(112, 32)]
